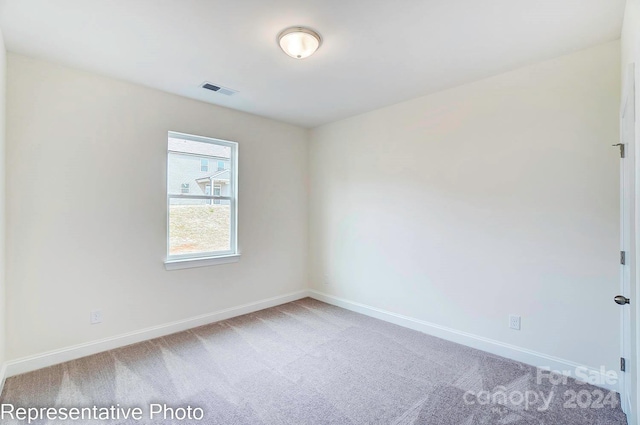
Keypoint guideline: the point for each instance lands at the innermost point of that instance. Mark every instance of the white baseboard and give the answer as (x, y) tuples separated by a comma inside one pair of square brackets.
[(3, 375), (502, 349), (50, 358)]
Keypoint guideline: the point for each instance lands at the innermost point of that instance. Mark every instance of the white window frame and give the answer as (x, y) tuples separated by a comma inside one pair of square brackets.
[(201, 259)]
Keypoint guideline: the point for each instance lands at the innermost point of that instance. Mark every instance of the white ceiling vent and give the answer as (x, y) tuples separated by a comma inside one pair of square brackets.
[(218, 89)]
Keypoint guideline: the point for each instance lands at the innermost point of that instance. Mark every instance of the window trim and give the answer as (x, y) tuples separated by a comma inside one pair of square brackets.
[(200, 259), (188, 263)]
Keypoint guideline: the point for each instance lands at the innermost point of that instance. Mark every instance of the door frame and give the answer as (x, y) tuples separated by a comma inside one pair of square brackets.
[(629, 226)]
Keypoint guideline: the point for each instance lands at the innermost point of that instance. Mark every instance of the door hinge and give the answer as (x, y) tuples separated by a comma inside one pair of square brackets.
[(621, 146), (623, 258), (623, 364)]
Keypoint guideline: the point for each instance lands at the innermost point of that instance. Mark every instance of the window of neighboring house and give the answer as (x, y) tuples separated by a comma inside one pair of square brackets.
[(202, 226), (204, 165), (217, 190), (220, 165), (207, 191)]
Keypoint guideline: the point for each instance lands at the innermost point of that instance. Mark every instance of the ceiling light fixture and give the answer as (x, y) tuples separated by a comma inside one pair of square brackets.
[(299, 42)]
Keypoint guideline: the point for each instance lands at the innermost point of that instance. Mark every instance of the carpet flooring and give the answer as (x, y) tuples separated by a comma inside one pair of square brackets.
[(308, 362)]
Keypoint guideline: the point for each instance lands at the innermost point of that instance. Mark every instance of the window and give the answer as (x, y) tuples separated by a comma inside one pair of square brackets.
[(220, 165), (201, 225), (207, 191), (217, 191)]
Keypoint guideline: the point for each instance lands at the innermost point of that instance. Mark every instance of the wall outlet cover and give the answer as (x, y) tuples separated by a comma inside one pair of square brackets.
[(514, 322), (95, 317)]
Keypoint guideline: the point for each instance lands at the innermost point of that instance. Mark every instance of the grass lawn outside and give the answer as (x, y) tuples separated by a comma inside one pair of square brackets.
[(199, 228)]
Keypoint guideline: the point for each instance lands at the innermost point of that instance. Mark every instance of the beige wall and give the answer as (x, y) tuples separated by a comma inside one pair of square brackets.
[(494, 198), (459, 208), (3, 69), (93, 236)]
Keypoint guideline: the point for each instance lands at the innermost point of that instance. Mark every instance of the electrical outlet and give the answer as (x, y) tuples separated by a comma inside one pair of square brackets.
[(95, 317), (514, 322)]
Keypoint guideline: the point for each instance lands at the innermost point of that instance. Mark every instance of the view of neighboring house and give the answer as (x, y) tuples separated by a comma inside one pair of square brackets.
[(198, 168)]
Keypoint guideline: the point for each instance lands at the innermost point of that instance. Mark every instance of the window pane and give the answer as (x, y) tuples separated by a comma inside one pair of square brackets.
[(188, 166), (198, 225)]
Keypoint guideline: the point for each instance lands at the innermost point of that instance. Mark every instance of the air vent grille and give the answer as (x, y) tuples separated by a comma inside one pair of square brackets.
[(210, 86), (218, 89)]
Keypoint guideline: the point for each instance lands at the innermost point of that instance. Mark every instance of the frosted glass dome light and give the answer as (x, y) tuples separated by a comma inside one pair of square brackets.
[(299, 42)]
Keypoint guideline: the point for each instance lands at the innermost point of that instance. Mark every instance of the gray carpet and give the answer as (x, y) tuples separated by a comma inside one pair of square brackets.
[(306, 362)]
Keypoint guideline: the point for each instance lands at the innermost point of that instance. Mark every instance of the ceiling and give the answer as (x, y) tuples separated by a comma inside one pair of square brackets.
[(374, 52)]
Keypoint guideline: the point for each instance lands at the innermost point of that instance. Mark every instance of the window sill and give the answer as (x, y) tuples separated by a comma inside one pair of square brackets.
[(188, 263)]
